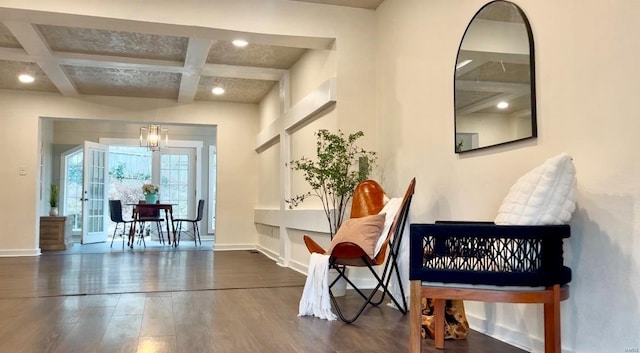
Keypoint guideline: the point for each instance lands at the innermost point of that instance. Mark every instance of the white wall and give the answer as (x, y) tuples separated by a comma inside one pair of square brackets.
[(237, 127), (352, 63), (277, 240), (586, 84)]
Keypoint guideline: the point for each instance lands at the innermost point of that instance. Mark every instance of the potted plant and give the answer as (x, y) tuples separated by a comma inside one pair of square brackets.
[(150, 192), (53, 200), (333, 176), (339, 166)]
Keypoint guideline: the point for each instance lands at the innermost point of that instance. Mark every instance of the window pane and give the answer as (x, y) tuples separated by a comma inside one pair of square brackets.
[(174, 182)]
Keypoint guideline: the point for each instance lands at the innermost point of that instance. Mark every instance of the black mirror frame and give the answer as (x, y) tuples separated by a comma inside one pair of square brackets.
[(532, 70)]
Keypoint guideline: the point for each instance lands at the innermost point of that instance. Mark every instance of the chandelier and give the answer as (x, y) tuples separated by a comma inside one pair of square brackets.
[(153, 137)]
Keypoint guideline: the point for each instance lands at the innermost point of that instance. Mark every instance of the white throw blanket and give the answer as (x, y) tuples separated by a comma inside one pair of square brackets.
[(315, 296), (315, 299)]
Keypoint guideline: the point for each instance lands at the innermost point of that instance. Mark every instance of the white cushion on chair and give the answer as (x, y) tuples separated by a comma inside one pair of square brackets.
[(545, 195), (391, 208)]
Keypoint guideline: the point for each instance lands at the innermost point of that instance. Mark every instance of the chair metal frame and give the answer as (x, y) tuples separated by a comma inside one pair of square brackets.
[(115, 213), (348, 254), (194, 224)]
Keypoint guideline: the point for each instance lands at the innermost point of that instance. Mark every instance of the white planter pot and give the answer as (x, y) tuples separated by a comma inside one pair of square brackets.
[(53, 212)]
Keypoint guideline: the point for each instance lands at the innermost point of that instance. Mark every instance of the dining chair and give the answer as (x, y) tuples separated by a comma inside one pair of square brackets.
[(152, 216), (115, 212), (194, 231)]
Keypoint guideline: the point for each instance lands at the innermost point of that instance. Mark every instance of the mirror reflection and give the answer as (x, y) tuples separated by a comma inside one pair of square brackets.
[(494, 79)]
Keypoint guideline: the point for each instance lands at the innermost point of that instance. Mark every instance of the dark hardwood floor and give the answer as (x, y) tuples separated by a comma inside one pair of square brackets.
[(180, 300)]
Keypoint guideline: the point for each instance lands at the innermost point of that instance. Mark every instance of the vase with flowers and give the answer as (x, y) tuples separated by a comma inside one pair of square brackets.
[(150, 192)]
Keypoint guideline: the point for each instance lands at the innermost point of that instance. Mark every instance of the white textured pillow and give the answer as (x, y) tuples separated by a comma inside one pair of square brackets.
[(390, 209), (545, 195)]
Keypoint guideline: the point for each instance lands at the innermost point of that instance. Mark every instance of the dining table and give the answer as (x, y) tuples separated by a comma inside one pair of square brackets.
[(140, 208)]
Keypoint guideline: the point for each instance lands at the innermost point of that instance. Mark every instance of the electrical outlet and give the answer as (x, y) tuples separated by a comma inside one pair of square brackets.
[(22, 171)]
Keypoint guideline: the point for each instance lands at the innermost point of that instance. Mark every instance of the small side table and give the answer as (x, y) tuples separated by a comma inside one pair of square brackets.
[(55, 233)]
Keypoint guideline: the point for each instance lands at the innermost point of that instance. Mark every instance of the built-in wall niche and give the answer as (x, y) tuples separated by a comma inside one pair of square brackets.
[(494, 79)]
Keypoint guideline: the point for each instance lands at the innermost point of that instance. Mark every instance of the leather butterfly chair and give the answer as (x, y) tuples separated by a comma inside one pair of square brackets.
[(195, 231), (115, 212), (368, 199)]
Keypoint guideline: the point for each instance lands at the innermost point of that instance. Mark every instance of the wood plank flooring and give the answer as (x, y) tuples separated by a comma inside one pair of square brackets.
[(183, 301)]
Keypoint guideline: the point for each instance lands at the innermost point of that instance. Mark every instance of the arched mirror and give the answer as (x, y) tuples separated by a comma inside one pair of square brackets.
[(495, 79)]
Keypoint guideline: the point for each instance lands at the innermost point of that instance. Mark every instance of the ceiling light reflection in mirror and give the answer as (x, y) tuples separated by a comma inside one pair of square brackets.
[(494, 79)]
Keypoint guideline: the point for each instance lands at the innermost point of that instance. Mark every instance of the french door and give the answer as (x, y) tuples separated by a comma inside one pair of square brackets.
[(98, 172), (94, 200), (71, 190), (172, 168), (177, 180)]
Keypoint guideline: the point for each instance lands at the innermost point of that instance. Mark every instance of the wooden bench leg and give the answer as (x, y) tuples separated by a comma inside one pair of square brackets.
[(415, 317), (438, 319), (552, 322)]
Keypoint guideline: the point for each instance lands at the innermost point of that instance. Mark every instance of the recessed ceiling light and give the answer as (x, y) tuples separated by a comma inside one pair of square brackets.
[(463, 63), (240, 43), (24, 78), (217, 91), (502, 105)]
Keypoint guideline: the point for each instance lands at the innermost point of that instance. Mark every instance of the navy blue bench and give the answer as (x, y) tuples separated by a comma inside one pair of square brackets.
[(482, 261)]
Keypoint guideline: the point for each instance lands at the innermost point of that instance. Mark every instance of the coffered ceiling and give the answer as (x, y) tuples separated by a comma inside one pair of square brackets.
[(77, 55)]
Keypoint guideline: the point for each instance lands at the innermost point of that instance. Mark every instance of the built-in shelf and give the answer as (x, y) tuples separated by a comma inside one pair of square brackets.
[(311, 220), (303, 112)]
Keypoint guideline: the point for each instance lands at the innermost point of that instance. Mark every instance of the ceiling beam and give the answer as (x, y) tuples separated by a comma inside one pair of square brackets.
[(489, 86), (121, 62), (247, 72), (33, 43), (485, 56), (197, 53), (109, 61), (112, 24)]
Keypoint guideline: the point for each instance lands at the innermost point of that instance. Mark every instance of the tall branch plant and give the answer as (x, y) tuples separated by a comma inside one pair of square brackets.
[(339, 166)]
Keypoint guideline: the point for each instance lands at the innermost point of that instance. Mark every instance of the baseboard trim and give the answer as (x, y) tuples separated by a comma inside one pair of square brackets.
[(507, 335), (20, 252), (299, 267), (270, 254), (232, 247)]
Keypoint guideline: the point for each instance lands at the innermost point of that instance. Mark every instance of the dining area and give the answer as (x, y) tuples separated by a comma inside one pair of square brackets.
[(150, 218)]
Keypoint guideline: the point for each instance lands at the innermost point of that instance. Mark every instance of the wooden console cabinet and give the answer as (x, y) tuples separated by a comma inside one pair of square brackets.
[(55, 233)]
